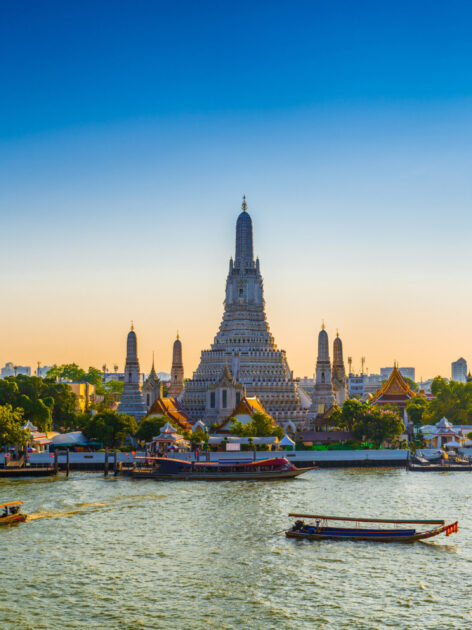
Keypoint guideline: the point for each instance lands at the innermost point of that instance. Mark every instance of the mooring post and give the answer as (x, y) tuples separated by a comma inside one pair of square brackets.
[(106, 462), (67, 463), (115, 463), (254, 454), (55, 461)]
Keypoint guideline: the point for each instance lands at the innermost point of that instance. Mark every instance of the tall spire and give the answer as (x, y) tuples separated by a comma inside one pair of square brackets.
[(131, 400), (177, 370), (244, 247)]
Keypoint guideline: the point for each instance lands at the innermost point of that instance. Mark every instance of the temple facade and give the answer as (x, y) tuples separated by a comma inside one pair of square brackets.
[(243, 351), (323, 395), (152, 387), (177, 370), (131, 401), (338, 373)]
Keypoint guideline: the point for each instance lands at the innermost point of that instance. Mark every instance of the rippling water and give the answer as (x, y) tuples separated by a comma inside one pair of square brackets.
[(116, 553)]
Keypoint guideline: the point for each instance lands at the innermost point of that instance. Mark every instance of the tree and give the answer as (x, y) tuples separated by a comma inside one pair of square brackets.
[(261, 425), (452, 400), (110, 428), (345, 417), (415, 409), (150, 427), (378, 425), (411, 383), (11, 433), (70, 371)]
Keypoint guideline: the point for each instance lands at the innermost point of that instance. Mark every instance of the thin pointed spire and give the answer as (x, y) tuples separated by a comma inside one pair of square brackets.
[(153, 359), (322, 324), (178, 336), (244, 204), (132, 325)]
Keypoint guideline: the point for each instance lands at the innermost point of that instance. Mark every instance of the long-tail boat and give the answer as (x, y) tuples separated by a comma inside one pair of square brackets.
[(263, 470), (321, 529), (10, 513)]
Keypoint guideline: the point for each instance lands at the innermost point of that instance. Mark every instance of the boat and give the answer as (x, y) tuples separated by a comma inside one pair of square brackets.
[(264, 470), (321, 529), (11, 513)]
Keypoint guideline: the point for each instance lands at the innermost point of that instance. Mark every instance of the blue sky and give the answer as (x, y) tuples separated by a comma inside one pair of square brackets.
[(129, 132)]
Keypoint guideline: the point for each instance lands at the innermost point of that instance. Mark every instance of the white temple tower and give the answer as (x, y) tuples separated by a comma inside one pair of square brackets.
[(131, 399), (177, 371), (245, 345), (338, 374), (323, 397)]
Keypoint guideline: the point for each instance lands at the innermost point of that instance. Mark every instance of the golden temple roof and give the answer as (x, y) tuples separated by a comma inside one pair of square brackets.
[(170, 408), (395, 385)]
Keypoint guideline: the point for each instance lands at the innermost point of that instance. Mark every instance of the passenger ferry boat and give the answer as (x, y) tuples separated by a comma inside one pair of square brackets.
[(10, 513), (321, 529), (263, 470)]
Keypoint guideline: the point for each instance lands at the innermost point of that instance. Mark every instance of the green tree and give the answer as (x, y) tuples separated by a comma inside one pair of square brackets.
[(345, 418), (415, 409), (150, 427), (411, 383), (70, 371), (110, 428), (261, 425), (452, 400), (378, 425), (11, 433)]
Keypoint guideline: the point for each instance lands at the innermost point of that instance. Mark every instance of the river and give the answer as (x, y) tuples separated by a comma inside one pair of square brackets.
[(117, 553)]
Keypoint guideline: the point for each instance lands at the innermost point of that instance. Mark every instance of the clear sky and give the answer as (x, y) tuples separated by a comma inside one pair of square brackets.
[(130, 130)]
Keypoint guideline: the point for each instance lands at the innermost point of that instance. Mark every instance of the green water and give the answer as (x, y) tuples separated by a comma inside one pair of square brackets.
[(129, 554)]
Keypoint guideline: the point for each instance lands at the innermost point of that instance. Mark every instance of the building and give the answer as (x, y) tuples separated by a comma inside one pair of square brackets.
[(177, 372), (131, 401), (323, 394), (459, 370), (10, 369), (84, 393), (406, 372), (338, 373), (152, 387), (170, 408), (355, 385), (245, 409), (244, 347), (395, 391)]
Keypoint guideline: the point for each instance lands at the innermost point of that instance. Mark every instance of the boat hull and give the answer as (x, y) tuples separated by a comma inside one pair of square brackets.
[(373, 535), (271, 475), (13, 518)]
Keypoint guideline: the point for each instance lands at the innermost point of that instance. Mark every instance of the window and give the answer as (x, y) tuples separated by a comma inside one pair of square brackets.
[(148, 399), (238, 398), (212, 400), (129, 377), (241, 291), (225, 399)]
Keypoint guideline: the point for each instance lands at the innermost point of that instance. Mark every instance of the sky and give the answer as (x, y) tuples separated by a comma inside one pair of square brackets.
[(129, 132)]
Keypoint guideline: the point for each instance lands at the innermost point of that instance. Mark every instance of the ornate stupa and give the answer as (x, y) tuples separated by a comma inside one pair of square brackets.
[(131, 399), (152, 387), (323, 397), (338, 373), (177, 371), (244, 347)]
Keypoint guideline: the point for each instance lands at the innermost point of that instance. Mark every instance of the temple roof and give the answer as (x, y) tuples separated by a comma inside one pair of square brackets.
[(249, 405), (395, 386), (170, 408)]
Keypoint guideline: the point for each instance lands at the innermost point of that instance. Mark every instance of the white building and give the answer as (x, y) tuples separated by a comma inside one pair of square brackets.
[(459, 370), (10, 369)]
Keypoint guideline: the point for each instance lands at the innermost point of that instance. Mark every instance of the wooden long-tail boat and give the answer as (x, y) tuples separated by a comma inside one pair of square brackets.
[(161, 468), (322, 530), (11, 513)]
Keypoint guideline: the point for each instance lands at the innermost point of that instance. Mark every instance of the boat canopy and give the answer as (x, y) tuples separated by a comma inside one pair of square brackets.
[(11, 503), (367, 520)]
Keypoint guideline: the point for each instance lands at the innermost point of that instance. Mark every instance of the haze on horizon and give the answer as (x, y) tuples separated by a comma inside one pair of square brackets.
[(129, 133)]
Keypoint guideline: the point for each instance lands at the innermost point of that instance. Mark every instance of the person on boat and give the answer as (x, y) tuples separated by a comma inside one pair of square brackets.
[(298, 526), (14, 509), (318, 525), (5, 512)]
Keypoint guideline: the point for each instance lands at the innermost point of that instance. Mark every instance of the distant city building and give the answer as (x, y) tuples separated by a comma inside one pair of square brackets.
[(131, 401), (244, 347), (406, 372), (177, 371), (10, 369), (42, 370), (355, 385), (323, 396), (459, 370)]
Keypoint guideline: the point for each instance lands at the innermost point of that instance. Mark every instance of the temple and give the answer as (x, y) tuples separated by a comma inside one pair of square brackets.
[(131, 401), (323, 397), (395, 391), (152, 387), (243, 358), (338, 373), (177, 370)]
